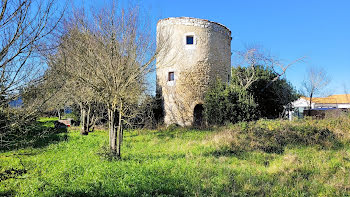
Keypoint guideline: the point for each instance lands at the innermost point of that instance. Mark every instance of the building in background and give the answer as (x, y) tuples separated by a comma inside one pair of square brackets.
[(338, 101)]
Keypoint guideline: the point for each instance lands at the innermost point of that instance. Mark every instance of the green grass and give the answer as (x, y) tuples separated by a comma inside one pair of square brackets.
[(178, 162)]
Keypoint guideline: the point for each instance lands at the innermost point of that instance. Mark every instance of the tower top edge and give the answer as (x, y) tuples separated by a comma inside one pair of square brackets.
[(191, 21)]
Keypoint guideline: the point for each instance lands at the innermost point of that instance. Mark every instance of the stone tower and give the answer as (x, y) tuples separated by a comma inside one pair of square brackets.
[(196, 53)]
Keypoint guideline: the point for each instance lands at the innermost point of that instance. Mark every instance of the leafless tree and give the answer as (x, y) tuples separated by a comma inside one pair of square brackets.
[(314, 83), (65, 70), (253, 56), (26, 30), (111, 55)]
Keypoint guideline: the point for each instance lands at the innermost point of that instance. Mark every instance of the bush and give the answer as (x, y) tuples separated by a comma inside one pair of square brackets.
[(270, 96), (265, 97), (146, 114), (13, 127), (19, 129), (224, 103)]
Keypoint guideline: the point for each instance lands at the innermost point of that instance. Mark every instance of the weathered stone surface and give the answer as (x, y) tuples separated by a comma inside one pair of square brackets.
[(195, 66)]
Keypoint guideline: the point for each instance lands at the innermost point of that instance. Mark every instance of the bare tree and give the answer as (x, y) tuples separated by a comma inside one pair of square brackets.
[(27, 31), (66, 70), (314, 83), (111, 55), (26, 27), (254, 56)]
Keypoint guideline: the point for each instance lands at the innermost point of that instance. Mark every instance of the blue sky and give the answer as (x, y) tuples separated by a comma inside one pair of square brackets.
[(289, 29)]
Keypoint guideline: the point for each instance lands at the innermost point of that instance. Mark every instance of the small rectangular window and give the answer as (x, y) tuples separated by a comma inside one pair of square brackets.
[(189, 39), (171, 76)]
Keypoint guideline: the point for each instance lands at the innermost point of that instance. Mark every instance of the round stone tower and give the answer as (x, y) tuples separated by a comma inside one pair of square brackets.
[(193, 53)]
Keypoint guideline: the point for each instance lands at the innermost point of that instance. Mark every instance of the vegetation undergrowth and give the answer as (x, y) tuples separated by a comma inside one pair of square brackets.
[(264, 158), (35, 134)]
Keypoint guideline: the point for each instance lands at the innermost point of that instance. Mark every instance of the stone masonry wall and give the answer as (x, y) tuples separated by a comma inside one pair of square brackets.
[(195, 66)]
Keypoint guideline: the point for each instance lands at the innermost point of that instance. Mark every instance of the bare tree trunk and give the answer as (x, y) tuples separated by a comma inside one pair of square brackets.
[(92, 123), (112, 131), (59, 114), (83, 124), (88, 119), (120, 131), (81, 112), (309, 112)]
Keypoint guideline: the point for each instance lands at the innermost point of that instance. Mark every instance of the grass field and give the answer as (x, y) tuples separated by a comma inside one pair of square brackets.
[(264, 158)]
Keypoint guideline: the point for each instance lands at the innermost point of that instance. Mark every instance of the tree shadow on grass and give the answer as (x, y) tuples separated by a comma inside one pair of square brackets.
[(180, 132), (36, 135), (140, 156), (149, 184), (8, 193)]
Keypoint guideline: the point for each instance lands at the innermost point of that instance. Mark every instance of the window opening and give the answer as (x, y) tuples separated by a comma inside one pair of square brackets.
[(189, 39), (171, 76)]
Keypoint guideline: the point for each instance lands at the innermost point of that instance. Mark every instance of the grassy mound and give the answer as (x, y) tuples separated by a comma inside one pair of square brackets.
[(272, 136)]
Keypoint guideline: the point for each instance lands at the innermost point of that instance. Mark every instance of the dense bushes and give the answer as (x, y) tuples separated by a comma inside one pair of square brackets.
[(14, 126), (19, 129), (225, 103), (248, 96), (271, 96)]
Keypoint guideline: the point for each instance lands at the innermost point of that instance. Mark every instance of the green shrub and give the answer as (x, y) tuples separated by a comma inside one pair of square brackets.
[(18, 130), (224, 103), (270, 94), (265, 97)]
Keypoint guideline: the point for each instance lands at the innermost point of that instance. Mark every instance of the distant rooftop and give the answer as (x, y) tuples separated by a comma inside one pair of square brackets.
[(333, 99)]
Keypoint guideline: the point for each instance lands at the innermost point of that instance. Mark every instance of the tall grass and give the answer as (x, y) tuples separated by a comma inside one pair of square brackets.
[(228, 161)]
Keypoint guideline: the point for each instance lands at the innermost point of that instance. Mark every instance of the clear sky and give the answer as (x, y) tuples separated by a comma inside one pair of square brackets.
[(290, 29)]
